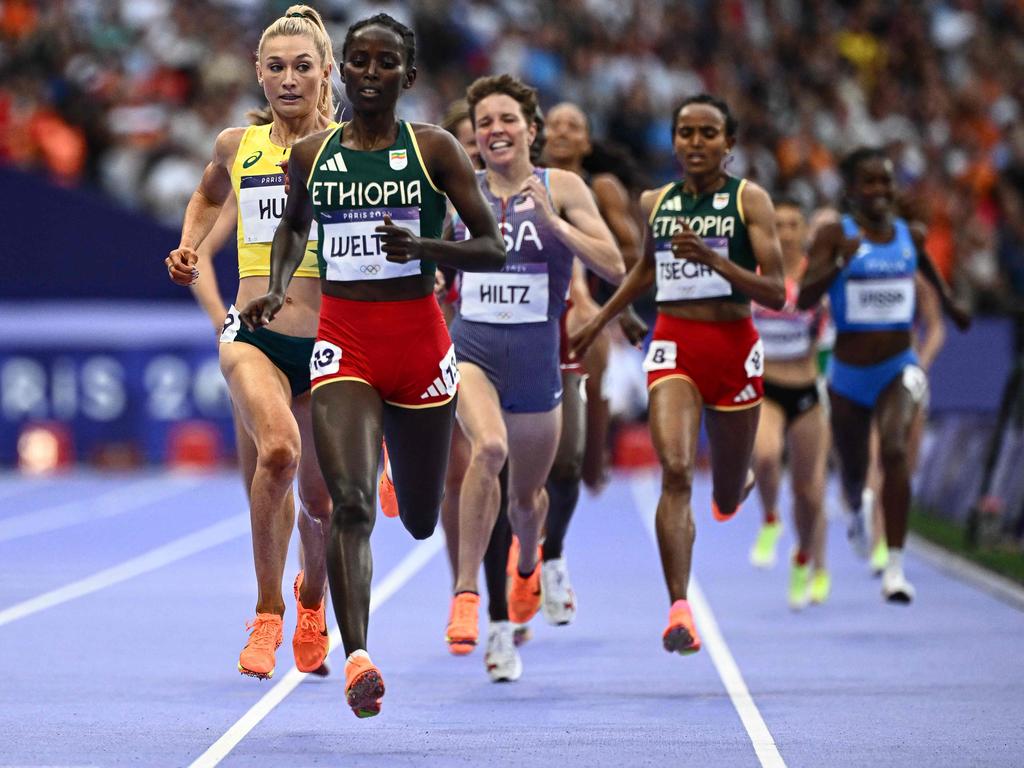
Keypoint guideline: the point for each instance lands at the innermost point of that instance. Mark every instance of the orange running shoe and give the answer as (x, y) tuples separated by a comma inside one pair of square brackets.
[(463, 623), (310, 641), (524, 596), (257, 658), (681, 635), (364, 686), (386, 489)]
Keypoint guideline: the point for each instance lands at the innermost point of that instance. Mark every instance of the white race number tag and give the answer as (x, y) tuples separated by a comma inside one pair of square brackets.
[(880, 301), (325, 360), (785, 338), (682, 280), (505, 297), (449, 371), (261, 202), (661, 356), (232, 325), (754, 364), (352, 247)]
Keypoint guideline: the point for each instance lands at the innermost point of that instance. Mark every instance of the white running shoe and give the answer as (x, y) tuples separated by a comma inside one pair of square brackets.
[(502, 659), (859, 524), (558, 599), (895, 587)]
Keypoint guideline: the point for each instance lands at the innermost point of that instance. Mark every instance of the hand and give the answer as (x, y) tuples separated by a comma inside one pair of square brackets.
[(535, 190), (687, 244), (633, 327), (847, 251), (960, 315), (181, 266), (287, 181), (261, 311), (399, 244), (580, 340)]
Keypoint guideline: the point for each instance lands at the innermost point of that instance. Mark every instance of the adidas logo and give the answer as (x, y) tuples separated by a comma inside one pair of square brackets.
[(438, 388), (336, 163), (673, 204), (746, 394)]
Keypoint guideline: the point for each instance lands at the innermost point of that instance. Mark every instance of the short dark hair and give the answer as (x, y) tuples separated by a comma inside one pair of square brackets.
[(389, 22), (852, 160), (509, 85), (731, 124)]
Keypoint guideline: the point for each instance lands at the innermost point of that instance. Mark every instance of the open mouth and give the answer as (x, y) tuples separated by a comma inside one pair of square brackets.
[(500, 144), (369, 93)]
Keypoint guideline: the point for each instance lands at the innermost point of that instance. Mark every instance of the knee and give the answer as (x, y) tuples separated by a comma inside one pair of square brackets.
[(353, 508), (280, 457), (491, 452), (677, 475), (316, 504)]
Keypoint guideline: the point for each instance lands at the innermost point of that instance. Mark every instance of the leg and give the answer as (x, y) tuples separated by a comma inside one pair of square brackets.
[(851, 433), (731, 436), (419, 441), (347, 428), (563, 484), (768, 472), (458, 462), (895, 413), (496, 556), (314, 510), (808, 451), (675, 423), (262, 399), (595, 461), (482, 422)]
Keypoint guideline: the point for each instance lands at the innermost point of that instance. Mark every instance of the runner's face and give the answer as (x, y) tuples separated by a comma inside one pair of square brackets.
[(502, 131), (874, 188), (374, 70), (699, 141), (791, 227), (467, 138), (292, 74), (567, 134)]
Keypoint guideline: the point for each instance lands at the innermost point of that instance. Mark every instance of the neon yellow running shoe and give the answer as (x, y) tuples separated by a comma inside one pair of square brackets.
[(799, 585), (879, 557), (762, 554), (821, 586)]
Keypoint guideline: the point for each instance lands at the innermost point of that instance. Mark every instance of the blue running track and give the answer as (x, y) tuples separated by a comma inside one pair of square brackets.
[(123, 601)]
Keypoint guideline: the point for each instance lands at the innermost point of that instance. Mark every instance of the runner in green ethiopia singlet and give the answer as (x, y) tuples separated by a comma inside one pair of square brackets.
[(352, 191), (717, 217)]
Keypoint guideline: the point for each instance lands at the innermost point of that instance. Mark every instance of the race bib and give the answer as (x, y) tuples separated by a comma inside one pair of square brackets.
[(784, 339), (352, 248), (754, 364), (325, 360), (261, 205), (506, 297), (661, 356), (449, 372), (683, 280), (888, 300), (232, 325), (915, 381)]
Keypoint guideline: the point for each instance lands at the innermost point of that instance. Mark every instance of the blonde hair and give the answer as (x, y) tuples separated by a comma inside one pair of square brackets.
[(301, 20)]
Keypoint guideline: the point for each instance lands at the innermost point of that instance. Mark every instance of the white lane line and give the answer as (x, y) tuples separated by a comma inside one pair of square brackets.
[(395, 580), (203, 539), (110, 504), (645, 497)]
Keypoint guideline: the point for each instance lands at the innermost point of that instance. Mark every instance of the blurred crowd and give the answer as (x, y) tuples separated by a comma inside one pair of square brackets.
[(128, 95)]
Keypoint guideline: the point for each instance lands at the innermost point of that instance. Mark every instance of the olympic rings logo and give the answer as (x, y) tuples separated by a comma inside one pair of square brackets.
[(369, 269)]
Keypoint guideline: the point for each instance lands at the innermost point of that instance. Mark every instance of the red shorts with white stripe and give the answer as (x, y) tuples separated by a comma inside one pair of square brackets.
[(566, 363), (723, 360), (400, 348)]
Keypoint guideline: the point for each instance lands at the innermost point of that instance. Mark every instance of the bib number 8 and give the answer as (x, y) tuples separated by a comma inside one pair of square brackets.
[(325, 360)]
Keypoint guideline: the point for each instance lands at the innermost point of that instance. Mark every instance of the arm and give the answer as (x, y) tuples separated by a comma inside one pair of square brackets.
[(829, 252), (291, 236), (933, 330), (960, 316), (767, 287), (639, 279), (580, 226), (614, 204), (206, 291), (453, 173), (204, 207)]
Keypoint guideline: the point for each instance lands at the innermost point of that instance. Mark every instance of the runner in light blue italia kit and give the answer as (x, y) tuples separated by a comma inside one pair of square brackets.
[(867, 262)]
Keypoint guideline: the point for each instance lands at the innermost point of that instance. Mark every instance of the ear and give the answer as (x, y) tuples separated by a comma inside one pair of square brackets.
[(410, 78), (531, 133), (259, 73)]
